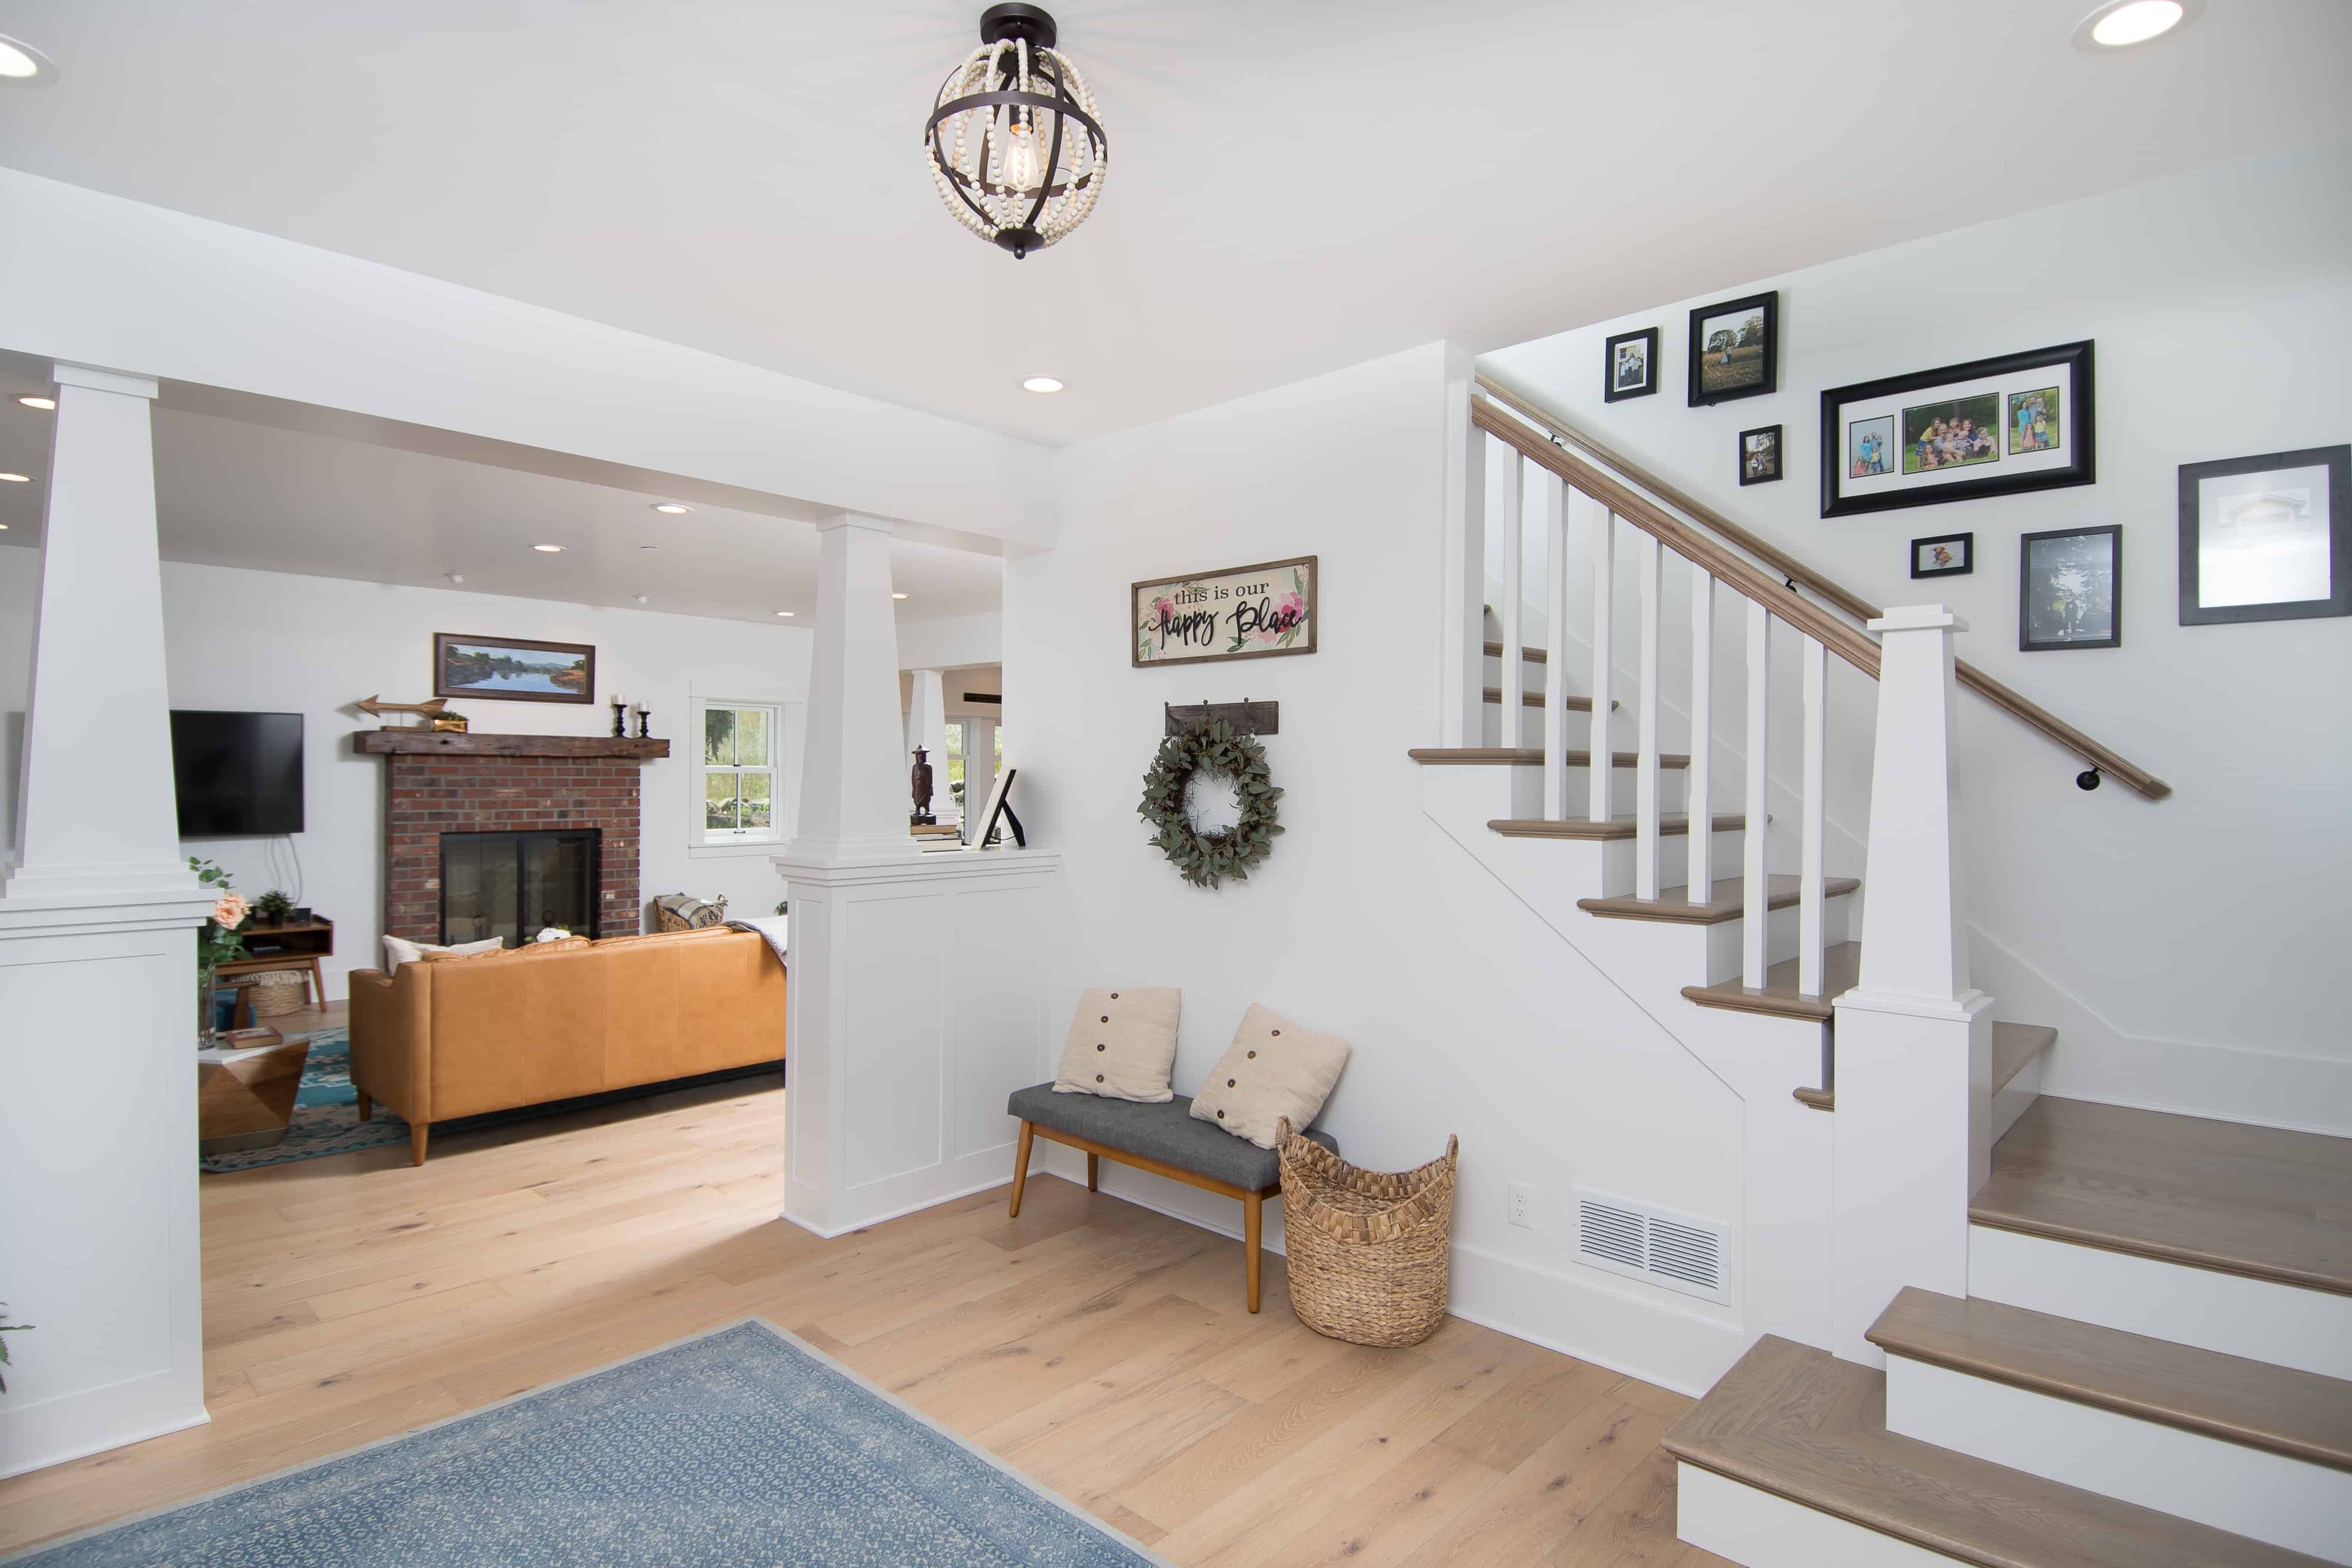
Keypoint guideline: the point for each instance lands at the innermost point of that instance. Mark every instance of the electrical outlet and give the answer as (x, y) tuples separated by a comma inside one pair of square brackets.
[(1520, 1210)]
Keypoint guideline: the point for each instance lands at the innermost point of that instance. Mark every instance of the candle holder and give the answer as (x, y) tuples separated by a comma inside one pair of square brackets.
[(620, 720), (644, 715)]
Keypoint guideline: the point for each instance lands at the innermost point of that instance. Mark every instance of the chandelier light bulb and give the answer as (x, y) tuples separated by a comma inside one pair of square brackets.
[(1015, 144)]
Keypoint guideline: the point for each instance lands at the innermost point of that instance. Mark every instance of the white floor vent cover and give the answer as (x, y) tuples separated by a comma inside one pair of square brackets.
[(1680, 1252)]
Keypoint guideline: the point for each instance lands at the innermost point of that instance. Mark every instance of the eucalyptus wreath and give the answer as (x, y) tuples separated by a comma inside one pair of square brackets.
[(1203, 858)]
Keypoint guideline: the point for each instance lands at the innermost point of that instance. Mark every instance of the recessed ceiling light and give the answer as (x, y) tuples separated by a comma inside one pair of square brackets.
[(784, 612), (1041, 384), (549, 549), (671, 508), (35, 400), (644, 599), (897, 596), (15, 478), (23, 64), (2120, 23)]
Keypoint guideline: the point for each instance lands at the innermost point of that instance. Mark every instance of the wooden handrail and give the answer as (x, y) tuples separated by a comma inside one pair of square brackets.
[(1792, 571)]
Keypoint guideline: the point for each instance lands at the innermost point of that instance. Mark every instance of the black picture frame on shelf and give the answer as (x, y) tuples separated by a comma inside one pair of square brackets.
[(2052, 612), (1946, 555), (2257, 533), (1629, 365), (1760, 455), (1723, 371), (1999, 426)]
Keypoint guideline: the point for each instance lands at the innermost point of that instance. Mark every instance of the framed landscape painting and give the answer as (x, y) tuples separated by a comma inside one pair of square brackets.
[(1989, 427), (513, 669)]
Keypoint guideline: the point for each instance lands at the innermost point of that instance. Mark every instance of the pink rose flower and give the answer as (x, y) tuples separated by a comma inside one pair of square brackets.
[(1163, 612), (230, 911)]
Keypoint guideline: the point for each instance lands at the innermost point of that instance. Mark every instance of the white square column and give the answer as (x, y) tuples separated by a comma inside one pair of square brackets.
[(98, 1118)]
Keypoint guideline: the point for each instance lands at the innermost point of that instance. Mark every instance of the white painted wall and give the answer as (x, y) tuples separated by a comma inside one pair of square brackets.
[(2186, 949), (943, 642), (277, 642), (1468, 1015)]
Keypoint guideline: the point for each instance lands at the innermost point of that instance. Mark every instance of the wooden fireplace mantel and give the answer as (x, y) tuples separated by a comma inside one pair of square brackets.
[(443, 742)]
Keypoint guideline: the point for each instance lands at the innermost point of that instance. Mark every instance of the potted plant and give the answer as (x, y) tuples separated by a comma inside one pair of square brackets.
[(271, 907), (8, 1329), (217, 941)]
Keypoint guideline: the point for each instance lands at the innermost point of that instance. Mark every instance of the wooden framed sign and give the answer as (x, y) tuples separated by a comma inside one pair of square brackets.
[(1239, 612)]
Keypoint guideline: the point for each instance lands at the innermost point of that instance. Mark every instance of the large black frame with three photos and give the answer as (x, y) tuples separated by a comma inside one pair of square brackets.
[(2073, 359), (2337, 462)]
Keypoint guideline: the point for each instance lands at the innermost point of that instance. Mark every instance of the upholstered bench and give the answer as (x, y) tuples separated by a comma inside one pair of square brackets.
[(1164, 1139)]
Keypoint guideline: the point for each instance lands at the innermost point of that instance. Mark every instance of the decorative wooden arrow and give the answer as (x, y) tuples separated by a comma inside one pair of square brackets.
[(378, 708)]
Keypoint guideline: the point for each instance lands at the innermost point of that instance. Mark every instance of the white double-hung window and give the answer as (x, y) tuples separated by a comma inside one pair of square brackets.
[(740, 794)]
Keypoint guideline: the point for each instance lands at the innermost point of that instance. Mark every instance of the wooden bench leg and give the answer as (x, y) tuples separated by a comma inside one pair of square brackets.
[(1253, 1236), (1094, 1173), (367, 1106), (1020, 1166), (417, 1136)]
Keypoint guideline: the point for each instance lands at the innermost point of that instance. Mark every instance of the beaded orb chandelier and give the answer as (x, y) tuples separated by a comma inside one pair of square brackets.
[(1016, 149)]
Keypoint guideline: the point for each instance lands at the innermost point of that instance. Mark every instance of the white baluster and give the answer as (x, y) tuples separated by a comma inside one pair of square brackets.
[(1645, 765), (1514, 552), (1808, 821), (1462, 707), (1604, 578), (1756, 898), (1555, 711), (1697, 803)]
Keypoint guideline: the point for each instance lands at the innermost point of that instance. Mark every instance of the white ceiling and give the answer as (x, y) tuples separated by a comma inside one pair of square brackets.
[(229, 492), (1293, 188)]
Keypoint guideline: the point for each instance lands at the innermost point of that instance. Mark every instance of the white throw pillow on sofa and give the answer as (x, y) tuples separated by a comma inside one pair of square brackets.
[(1274, 1069), (398, 951), (1122, 1044)]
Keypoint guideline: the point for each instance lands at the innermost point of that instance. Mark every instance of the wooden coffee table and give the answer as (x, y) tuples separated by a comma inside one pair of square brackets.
[(247, 1103)]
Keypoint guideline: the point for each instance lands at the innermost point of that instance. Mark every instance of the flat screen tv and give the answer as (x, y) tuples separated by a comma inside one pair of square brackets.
[(237, 772)]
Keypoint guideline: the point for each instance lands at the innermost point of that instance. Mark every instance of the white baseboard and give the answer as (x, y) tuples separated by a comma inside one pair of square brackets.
[(75, 1425), (1758, 1529)]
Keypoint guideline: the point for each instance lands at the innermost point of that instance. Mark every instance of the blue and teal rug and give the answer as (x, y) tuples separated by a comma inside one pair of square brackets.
[(743, 1447), (326, 1113)]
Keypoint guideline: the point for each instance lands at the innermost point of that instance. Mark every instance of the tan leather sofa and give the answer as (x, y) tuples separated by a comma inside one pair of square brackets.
[(494, 1031)]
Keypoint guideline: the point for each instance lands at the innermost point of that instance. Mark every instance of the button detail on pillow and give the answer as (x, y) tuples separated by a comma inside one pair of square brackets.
[(1274, 1069), (1122, 1045)]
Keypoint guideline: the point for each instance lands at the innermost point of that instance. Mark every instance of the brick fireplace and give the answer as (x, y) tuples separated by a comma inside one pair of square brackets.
[(439, 783)]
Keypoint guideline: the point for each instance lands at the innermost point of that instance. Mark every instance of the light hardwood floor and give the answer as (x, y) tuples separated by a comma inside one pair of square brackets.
[(1101, 1348)]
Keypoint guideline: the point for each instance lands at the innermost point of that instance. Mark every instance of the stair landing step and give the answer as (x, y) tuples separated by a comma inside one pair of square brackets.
[(1802, 1425), (2014, 1045), (1526, 756), (2254, 1201), (1840, 968), (1611, 827), (2301, 1414), (1724, 900), (1535, 699)]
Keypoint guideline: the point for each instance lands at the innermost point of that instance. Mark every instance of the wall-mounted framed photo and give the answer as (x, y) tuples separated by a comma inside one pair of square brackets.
[(2070, 588), (1237, 613), (1947, 554), (1989, 427), (1760, 455), (1734, 348), (1629, 365), (2267, 537), (513, 669)]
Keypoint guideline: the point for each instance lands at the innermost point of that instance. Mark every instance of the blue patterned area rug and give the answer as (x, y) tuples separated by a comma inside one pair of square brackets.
[(742, 1447), (326, 1113)]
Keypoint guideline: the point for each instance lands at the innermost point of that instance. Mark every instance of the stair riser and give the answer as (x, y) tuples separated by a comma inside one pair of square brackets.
[(1781, 930), (2310, 1330), (1759, 1530), (1619, 857), (2287, 1502), (1527, 791), (2014, 1098), (1622, 733)]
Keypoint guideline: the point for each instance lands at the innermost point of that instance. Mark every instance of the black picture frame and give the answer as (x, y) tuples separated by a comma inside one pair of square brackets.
[(997, 814), (1967, 552), (1768, 305), (2026, 642), (1610, 391), (2073, 359), (2337, 462), (1779, 456), (453, 651)]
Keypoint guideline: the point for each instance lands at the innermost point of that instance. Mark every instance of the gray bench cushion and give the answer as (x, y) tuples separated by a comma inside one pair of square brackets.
[(1167, 1132)]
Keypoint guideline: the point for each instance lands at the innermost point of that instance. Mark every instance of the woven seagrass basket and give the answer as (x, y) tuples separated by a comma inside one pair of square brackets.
[(1369, 1249), (277, 992)]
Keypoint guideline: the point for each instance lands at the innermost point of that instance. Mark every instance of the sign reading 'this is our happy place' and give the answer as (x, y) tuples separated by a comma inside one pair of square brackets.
[(1242, 612)]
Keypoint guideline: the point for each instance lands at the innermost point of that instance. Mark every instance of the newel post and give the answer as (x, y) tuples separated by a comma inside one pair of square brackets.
[(1914, 1046)]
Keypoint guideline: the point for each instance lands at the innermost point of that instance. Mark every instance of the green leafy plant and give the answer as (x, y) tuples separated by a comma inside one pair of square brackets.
[(271, 906), (8, 1329), (1205, 859)]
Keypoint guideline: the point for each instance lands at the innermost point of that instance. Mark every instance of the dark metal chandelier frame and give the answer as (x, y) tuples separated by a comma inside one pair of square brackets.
[(1027, 33)]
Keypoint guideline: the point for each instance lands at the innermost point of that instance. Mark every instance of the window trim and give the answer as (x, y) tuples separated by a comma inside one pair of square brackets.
[(701, 838)]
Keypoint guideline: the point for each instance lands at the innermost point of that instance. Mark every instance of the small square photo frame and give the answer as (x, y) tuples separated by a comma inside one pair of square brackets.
[(1735, 349), (2266, 538), (1946, 555), (1629, 365), (1760, 455), (2070, 588)]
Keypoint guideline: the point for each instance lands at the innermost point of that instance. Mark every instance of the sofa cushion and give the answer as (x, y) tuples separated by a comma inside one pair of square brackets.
[(1122, 1044), (528, 950), (1274, 1069), (1166, 1132), (399, 950)]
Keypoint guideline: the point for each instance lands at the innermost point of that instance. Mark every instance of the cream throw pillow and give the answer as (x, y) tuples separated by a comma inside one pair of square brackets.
[(1274, 1070), (1122, 1044), (398, 951)]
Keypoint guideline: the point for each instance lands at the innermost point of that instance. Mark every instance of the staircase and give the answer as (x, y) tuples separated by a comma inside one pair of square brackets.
[(1986, 1326)]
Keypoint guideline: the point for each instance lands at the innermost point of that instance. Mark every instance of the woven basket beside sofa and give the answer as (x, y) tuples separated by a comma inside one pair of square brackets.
[(1369, 1249)]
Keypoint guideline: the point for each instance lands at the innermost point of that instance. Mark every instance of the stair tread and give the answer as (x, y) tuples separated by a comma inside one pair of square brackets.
[(1526, 756), (2301, 1414), (2256, 1201), (1802, 1425), (2014, 1046), (1608, 827), (1534, 699), (1840, 968), (1725, 901)]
